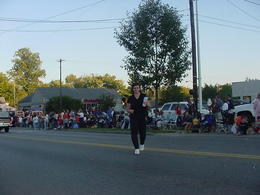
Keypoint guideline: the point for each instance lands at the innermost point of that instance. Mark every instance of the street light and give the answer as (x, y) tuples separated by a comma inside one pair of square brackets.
[(198, 56), (194, 60)]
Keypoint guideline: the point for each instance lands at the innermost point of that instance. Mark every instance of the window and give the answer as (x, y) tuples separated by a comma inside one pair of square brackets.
[(247, 99), (184, 106), (174, 107), (166, 107)]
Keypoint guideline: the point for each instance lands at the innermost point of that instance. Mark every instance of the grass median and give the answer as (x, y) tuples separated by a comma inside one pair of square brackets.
[(118, 130), (108, 130)]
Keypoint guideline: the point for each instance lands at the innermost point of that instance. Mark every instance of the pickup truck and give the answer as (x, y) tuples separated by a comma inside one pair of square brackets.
[(5, 121), (246, 110)]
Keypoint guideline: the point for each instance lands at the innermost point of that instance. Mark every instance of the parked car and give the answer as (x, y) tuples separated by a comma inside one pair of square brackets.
[(169, 108)]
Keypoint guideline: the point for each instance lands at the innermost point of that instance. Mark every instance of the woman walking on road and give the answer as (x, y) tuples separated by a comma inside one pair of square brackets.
[(137, 108)]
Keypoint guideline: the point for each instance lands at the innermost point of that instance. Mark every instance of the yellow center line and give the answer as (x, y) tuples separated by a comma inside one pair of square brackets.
[(213, 154)]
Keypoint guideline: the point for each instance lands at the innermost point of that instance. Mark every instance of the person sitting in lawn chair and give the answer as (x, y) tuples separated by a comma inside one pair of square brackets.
[(187, 121), (196, 120), (242, 125), (208, 123)]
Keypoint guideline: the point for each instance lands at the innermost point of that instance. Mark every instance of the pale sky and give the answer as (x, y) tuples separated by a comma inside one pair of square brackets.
[(230, 48)]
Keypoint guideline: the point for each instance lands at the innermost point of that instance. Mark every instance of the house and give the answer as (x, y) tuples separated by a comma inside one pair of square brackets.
[(246, 90), (89, 96)]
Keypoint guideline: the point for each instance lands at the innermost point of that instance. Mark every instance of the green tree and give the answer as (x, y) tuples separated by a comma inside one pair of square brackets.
[(186, 92), (56, 83), (68, 103), (225, 91), (71, 80), (173, 94), (209, 91), (11, 91), (27, 70), (158, 48), (91, 81), (97, 81), (7, 89), (106, 102), (110, 81)]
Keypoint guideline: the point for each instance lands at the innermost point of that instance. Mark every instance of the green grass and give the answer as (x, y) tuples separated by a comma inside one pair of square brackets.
[(102, 129), (122, 130)]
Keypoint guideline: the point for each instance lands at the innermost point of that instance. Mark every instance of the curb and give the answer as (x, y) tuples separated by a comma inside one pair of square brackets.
[(81, 131)]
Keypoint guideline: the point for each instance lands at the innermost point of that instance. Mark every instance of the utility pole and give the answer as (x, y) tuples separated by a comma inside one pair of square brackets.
[(60, 61), (194, 64), (198, 55), (14, 94)]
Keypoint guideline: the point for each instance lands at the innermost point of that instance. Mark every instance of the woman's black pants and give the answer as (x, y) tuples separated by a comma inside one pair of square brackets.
[(138, 125)]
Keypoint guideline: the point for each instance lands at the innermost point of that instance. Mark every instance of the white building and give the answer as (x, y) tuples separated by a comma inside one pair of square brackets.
[(246, 90)]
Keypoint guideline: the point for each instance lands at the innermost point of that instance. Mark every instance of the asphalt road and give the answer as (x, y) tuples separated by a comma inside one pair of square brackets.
[(59, 162)]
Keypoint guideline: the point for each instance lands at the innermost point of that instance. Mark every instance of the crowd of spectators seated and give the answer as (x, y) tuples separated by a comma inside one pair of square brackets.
[(72, 119), (221, 118)]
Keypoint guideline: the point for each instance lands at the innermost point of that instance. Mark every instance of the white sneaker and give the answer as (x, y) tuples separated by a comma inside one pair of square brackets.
[(141, 147), (137, 151)]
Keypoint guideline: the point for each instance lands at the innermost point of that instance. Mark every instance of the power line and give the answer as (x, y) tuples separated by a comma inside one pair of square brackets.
[(228, 21), (113, 27), (59, 30), (105, 20), (76, 9), (252, 2), (4, 19), (229, 26), (183, 10), (24, 20), (243, 11), (58, 21), (63, 13)]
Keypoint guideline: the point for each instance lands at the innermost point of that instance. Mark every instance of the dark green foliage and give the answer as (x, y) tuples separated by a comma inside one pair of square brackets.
[(225, 91), (6, 89), (211, 91), (106, 102), (158, 49), (10, 90), (173, 94), (97, 81), (68, 103), (27, 70)]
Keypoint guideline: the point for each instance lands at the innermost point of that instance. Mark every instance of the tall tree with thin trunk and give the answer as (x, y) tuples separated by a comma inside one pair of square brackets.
[(27, 70), (158, 49)]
